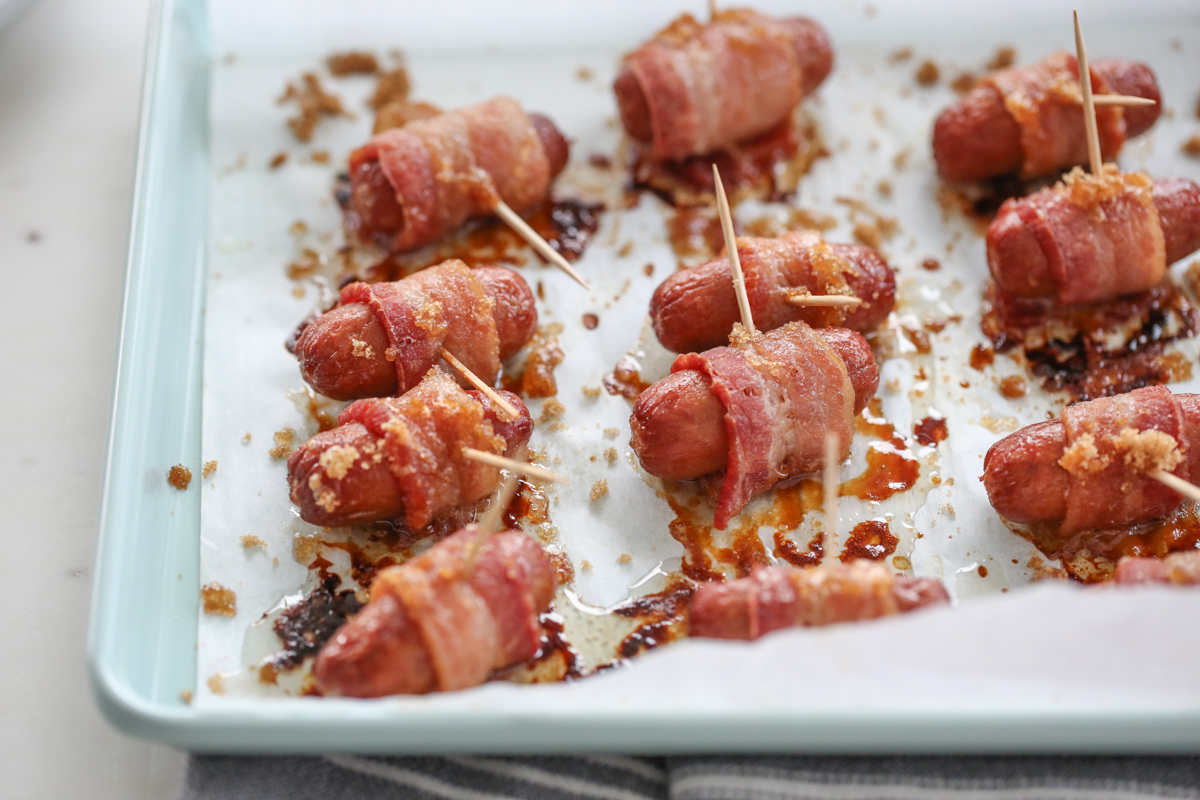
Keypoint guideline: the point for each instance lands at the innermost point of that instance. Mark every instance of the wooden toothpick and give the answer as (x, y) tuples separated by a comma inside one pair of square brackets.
[(712, 10), (513, 465), (735, 263), (1089, 106), (513, 220), (492, 394), (1122, 100), (832, 470), (802, 297), (1178, 484), (489, 523)]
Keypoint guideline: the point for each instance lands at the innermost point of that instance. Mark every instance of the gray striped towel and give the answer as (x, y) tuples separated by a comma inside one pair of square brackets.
[(707, 778)]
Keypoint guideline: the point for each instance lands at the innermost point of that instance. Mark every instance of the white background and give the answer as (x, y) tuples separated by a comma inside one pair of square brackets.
[(70, 86)]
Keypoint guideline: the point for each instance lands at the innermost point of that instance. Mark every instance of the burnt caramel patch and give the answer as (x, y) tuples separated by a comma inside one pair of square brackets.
[(1098, 349), (305, 627), (930, 431)]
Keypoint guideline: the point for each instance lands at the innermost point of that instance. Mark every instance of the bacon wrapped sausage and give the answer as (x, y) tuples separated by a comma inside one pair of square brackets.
[(695, 309), (382, 338), (784, 597), (1088, 470), (759, 410), (435, 625), (1029, 120), (694, 89), (1179, 569), (410, 186), (1092, 238), (402, 456)]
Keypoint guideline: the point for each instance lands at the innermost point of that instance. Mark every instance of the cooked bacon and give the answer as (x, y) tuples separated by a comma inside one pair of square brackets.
[(432, 625), (1088, 238), (783, 597), (1046, 102), (694, 89), (1180, 569), (1089, 470), (382, 338), (695, 309), (449, 168), (777, 389), (403, 455)]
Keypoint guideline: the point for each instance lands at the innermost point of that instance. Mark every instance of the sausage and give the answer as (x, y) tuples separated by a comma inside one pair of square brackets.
[(1026, 480), (374, 207), (977, 138), (695, 309), (755, 68), (1046, 246), (774, 598), (400, 642), (357, 474), (1179, 569), (678, 423), (343, 353)]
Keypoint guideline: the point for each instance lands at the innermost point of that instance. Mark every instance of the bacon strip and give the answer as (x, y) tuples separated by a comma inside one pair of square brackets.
[(777, 389), (1107, 460), (454, 166), (1046, 101), (432, 626), (709, 86), (419, 438), (782, 597), (1100, 237), (441, 307), (1180, 569)]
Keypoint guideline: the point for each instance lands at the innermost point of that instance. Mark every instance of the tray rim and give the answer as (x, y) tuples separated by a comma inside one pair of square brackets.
[(342, 725)]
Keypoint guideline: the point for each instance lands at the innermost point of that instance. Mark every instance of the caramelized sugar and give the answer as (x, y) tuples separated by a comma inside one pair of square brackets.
[(872, 540), (1099, 349), (624, 380)]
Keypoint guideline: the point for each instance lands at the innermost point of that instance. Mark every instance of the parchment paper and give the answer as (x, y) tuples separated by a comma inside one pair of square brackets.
[(876, 122)]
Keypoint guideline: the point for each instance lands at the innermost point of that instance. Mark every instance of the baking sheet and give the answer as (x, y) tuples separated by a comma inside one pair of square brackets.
[(870, 111)]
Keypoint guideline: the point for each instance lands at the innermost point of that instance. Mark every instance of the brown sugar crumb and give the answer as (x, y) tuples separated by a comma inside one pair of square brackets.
[(209, 468), (352, 63), (931, 264), (179, 477), (278, 160), (337, 460), (551, 409), (1148, 451), (591, 392), (928, 73), (884, 188), (1005, 57), (612, 433), (246, 439), (1042, 571), (626, 249), (903, 54), (584, 74), (399, 113), (320, 156), (314, 102), (599, 489), (900, 562), (215, 684), (186, 696), (590, 321), (218, 600), (361, 349), (1192, 147), (982, 356), (610, 455), (1013, 387), (1083, 457), (586, 566), (964, 83), (868, 233), (282, 447), (600, 161), (390, 88), (305, 549), (250, 540), (624, 558), (648, 270)]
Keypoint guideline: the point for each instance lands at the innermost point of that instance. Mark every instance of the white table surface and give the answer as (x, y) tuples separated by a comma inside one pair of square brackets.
[(70, 87)]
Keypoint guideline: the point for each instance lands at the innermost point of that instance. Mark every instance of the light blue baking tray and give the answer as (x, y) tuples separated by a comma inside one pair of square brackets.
[(142, 632)]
